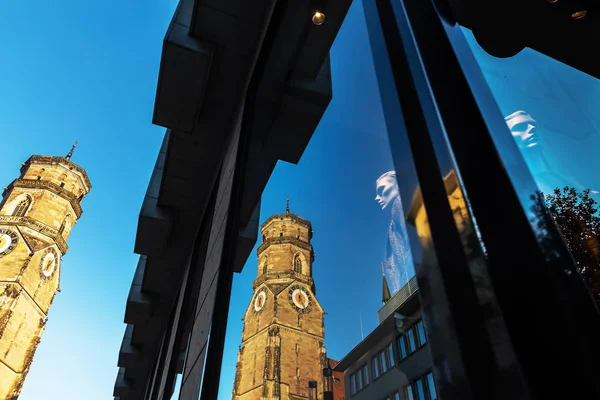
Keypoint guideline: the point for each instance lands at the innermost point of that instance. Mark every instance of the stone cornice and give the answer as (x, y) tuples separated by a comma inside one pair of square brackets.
[(285, 240), (38, 227), (59, 160), (291, 216), (274, 275), (297, 331), (287, 328), (51, 187)]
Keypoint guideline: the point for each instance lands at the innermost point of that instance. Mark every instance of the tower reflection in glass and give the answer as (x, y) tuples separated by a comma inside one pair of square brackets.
[(398, 264)]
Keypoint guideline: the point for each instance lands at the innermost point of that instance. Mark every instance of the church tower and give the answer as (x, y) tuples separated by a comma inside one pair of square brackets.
[(37, 212), (282, 341)]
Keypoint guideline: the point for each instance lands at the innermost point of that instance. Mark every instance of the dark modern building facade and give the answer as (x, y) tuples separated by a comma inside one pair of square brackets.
[(244, 84), (241, 85)]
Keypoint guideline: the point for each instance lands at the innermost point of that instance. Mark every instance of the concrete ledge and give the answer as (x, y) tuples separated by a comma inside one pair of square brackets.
[(122, 385), (247, 239), (184, 70), (139, 305), (129, 353)]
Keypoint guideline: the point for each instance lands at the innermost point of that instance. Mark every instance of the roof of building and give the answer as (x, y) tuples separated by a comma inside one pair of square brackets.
[(60, 160), (408, 306), (289, 215)]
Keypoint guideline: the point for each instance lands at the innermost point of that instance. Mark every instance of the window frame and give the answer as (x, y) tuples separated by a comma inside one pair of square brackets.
[(375, 367), (413, 388), (22, 207), (366, 374), (384, 362), (391, 355)]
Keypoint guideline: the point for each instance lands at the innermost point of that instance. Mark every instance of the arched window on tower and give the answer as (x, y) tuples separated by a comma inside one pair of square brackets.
[(22, 207), (265, 265), (65, 222), (297, 264)]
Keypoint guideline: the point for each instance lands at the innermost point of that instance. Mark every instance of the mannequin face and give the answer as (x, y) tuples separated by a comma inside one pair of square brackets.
[(524, 129), (387, 191)]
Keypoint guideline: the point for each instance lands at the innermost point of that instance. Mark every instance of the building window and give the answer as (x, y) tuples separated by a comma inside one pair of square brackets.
[(64, 224), (384, 366), (402, 347), (421, 332), (21, 208), (265, 264), (280, 234), (62, 184), (391, 355), (396, 396), (375, 362), (409, 393), (297, 264), (412, 343), (431, 387), (353, 383), (359, 381), (366, 374), (422, 388)]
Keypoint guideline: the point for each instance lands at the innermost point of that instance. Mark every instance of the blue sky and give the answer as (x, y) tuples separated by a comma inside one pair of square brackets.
[(87, 70)]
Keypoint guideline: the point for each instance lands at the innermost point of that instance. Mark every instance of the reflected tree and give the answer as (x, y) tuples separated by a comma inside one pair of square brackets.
[(576, 215)]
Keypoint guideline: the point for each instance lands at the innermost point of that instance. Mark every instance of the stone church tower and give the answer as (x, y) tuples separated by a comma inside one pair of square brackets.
[(282, 341), (37, 212)]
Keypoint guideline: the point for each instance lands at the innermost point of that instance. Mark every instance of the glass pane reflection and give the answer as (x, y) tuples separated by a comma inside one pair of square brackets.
[(550, 109)]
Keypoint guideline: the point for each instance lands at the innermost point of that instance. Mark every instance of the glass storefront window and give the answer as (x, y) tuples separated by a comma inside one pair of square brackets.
[(549, 109), (350, 227)]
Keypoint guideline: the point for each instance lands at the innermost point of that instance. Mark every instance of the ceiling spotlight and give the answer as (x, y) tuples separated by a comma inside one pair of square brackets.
[(318, 18), (551, 1), (579, 14)]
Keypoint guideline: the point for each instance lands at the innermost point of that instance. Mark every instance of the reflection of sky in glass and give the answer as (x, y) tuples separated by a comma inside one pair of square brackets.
[(562, 100), (333, 186)]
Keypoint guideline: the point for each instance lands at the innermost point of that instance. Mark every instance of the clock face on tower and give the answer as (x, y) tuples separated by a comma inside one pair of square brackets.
[(259, 301), (300, 299), (8, 241), (48, 264)]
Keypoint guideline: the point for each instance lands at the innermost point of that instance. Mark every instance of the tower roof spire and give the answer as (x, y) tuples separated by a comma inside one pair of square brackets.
[(386, 295), (70, 154), (287, 205)]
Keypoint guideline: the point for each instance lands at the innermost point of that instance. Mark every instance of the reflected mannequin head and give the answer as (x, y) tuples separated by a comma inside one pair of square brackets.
[(386, 188), (524, 129)]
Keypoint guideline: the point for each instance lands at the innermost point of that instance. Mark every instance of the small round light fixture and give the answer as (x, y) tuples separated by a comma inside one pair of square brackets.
[(579, 14), (551, 1), (318, 18)]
